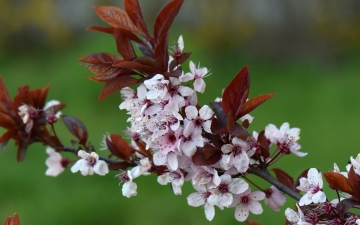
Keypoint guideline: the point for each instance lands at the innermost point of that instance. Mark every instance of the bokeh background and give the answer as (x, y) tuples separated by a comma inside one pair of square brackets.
[(308, 52)]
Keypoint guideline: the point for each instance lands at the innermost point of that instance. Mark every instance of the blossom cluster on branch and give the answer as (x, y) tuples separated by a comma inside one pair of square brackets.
[(175, 137)]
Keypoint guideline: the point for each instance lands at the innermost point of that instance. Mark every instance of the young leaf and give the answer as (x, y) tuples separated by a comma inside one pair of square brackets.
[(117, 17), (123, 43), (162, 54), (338, 182), (284, 178), (100, 58), (212, 156), (165, 18), (133, 10), (236, 93), (252, 104), (76, 127), (121, 145)]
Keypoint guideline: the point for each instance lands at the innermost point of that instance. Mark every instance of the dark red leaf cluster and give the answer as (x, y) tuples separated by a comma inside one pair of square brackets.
[(33, 131), (127, 27)]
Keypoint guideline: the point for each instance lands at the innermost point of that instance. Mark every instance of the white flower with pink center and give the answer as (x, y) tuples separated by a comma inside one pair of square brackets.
[(315, 185), (90, 164), (129, 188), (141, 169), (175, 177), (196, 74), (287, 140), (201, 175), (223, 193), (274, 198), (190, 139), (200, 198), (247, 202), (296, 217), (55, 163), (235, 154), (157, 88), (356, 164), (201, 118)]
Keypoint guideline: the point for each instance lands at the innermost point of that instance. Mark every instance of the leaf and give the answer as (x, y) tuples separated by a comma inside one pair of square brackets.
[(212, 156), (76, 127), (337, 181), (236, 93), (108, 30), (251, 104), (142, 149), (21, 151), (219, 112), (6, 121), (121, 145), (344, 205), (100, 58), (354, 182), (5, 101), (284, 178), (264, 145), (138, 67), (162, 54), (184, 56), (165, 18), (117, 17), (133, 10), (116, 84), (236, 129), (12, 220), (123, 43)]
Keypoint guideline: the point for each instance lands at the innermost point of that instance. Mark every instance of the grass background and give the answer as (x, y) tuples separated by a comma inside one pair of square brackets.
[(320, 97)]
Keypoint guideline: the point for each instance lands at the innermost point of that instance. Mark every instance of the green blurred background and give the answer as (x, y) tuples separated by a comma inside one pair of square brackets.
[(305, 51)]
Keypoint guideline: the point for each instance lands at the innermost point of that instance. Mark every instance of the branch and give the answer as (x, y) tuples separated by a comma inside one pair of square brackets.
[(110, 161), (264, 173)]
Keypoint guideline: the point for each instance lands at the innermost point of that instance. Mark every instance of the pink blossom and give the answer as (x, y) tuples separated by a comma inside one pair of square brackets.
[(90, 163), (175, 177), (315, 184), (200, 198), (190, 139), (235, 154), (274, 198), (129, 187), (196, 74), (201, 118), (55, 163), (246, 202)]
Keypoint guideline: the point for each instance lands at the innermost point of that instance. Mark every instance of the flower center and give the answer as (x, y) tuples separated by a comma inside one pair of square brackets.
[(91, 161), (124, 177), (285, 145), (198, 121), (245, 199), (223, 188), (64, 162)]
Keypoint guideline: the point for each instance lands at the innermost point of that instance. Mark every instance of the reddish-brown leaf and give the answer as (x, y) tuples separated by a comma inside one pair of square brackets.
[(162, 54), (236, 93), (12, 220), (216, 125), (123, 43), (338, 182), (100, 58), (116, 84), (117, 17), (121, 145), (354, 182), (165, 18), (8, 135), (252, 104), (138, 67), (6, 121), (21, 151), (184, 56), (199, 158), (220, 114), (133, 10), (108, 30), (284, 178), (5, 101), (344, 205), (264, 145), (236, 129), (76, 127), (40, 97), (120, 166), (142, 149), (102, 69), (210, 150)]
